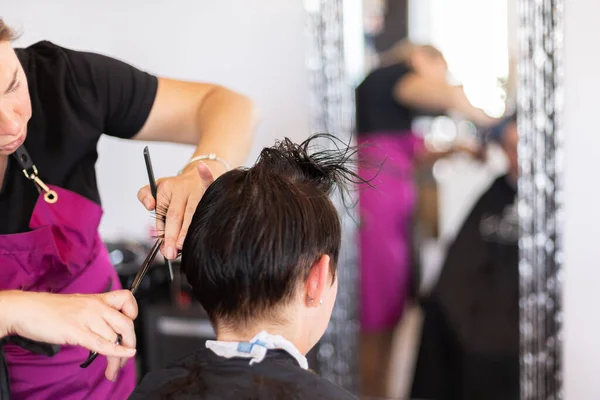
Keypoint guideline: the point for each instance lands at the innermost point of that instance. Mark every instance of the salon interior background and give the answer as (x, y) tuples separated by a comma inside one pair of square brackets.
[(258, 47)]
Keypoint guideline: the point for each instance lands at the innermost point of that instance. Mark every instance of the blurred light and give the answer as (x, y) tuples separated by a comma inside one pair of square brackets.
[(466, 128), (442, 133), (116, 257)]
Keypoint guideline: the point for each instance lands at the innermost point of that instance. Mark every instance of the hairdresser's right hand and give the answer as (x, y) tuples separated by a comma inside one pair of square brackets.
[(91, 321)]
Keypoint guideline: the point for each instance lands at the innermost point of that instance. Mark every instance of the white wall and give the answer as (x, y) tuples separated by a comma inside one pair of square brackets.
[(581, 197), (254, 46)]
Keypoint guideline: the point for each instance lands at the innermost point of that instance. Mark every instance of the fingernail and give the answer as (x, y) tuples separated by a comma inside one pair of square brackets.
[(114, 377), (171, 253), (147, 202)]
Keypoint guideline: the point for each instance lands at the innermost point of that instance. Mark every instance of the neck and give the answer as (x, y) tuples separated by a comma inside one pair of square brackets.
[(245, 334), (3, 165)]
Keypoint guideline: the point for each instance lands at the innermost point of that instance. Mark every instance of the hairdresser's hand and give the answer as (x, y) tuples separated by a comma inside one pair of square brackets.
[(463, 106), (178, 197), (90, 321)]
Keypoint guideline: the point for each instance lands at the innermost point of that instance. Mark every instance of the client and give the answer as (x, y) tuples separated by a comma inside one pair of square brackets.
[(469, 346), (261, 256)]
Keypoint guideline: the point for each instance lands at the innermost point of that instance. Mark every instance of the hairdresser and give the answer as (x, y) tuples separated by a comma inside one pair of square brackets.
[(57, 285)]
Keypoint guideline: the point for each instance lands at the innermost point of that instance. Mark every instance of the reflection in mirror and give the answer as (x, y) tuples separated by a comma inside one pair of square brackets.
[(439, 238)]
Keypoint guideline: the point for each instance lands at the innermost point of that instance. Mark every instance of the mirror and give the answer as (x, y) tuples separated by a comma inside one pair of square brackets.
[(484, 316)]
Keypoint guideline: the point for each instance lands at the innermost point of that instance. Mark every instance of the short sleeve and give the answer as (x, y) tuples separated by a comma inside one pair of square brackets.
[(377, 109), (123, 94)]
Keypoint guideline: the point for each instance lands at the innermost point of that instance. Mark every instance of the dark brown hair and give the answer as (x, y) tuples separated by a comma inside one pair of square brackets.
[(6, 33), (257, 231)]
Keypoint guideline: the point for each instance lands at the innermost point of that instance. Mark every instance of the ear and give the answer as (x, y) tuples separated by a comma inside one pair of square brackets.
[(319, 279)]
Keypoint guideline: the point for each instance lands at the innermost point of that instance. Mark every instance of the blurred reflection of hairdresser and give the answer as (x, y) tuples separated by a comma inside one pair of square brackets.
[(57, 284), (470, 337), (411, 81)]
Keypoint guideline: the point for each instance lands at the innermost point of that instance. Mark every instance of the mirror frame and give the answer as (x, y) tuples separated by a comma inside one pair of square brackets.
[(540, 97), (332, 111)]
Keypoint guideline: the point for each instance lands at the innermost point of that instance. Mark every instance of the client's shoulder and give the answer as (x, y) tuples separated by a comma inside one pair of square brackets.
[(202, 375), (166, 383), (279, 376), (316, 387)]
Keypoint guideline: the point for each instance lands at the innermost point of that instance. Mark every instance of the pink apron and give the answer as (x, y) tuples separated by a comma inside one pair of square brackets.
[(386, 264), (63, 253)]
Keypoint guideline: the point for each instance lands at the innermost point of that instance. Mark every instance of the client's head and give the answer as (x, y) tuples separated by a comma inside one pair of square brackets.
[(262, 249)]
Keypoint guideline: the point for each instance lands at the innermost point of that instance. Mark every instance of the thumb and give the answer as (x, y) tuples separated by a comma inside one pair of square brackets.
[(145, 197), (122, 300), (205, 174)]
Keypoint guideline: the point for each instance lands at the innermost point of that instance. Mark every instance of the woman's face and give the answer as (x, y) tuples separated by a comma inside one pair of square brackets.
[(15, 105)]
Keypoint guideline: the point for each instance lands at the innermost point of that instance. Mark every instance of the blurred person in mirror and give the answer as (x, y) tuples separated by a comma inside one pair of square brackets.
[(57, 284), (469, 347), (410, 81), (265, 271)]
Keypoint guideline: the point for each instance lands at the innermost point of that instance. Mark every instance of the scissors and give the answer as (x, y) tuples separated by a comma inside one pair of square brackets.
[(139, 277), (153, 189)]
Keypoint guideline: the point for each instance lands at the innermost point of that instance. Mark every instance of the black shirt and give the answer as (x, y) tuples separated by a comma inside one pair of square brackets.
[(75, 97), (207, 376), (376, 108)]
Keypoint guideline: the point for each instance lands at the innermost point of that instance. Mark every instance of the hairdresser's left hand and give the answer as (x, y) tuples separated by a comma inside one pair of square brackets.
[(178, 197)]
